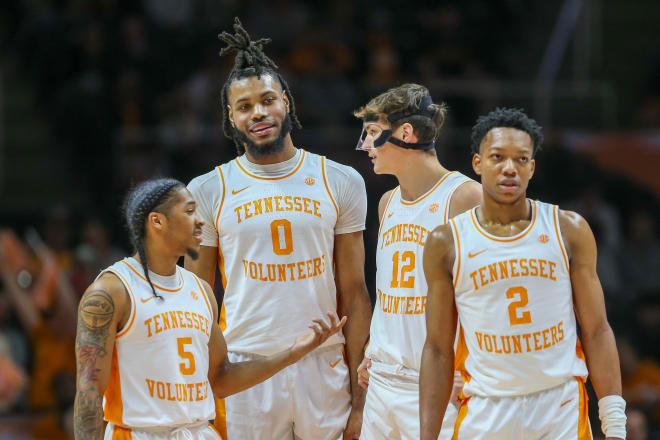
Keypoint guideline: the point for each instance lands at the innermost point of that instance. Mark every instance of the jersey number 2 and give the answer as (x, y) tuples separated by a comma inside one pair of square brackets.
[(280, 231), (188, 368), (525, 317)]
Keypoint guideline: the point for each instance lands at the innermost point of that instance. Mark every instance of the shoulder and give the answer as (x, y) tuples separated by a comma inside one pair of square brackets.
[(439, 247), (106, 295), (382, 204), (465, 197), (206, 182), (336, 170), (575, 231)]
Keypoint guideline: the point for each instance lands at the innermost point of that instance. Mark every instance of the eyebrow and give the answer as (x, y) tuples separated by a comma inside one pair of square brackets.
[(267, 92)]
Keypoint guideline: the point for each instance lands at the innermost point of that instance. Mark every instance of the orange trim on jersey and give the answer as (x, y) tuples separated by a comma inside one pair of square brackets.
[(156, 285), (114, 407), (452, 195), (206, 300), (121, 433), (133, 310), (273, 178), (462, 353), (387, 206), (579, 352), (505, 239), (462, 413), (221, 267), (327, 188), (220, 418), (222, 200), (458, 253), (584, 430), (430, 191), (555, 217), (222, 320)]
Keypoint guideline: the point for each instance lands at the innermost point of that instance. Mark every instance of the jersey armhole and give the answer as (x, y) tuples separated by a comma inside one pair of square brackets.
[(131, 295), (387, 206), (456, 268), (451, 194), (222, 199), (327, 187), (560, 240)]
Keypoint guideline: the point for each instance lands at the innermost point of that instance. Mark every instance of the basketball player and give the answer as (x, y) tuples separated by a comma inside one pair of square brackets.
[(146, 337), (519, 272), (399, 131), (285, 228)]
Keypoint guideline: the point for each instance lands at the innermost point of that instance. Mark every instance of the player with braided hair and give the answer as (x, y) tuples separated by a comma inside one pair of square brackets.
[(147, 346), (284, 226)]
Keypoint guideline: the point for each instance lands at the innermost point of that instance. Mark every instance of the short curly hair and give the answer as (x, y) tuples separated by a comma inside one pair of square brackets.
[(506, 117)]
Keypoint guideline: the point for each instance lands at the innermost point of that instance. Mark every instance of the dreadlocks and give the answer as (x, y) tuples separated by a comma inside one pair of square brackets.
[(250, 61), (150, 196)]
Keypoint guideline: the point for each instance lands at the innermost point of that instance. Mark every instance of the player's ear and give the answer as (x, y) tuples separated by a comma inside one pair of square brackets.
[(476, 163), (532, 163), (408, 133), (230, 115), (285, 98), (156, 220)]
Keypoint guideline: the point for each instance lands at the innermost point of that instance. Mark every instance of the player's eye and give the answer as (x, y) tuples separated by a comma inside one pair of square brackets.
[(270, 100), (243, 107), (524, 159)]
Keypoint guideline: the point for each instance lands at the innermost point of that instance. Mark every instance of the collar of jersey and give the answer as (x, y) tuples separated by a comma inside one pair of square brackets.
[(274, 171), (167, 280), (521, 234)]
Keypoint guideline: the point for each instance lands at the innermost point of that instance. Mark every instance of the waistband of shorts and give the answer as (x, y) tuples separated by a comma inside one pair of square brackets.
[(393, 369), (316, 351), (168, 429)]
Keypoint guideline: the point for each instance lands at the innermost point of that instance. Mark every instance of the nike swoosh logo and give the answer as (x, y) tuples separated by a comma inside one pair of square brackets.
[(335, 364), (242, 189), (390, 214), (144, 300), (471, 255), (565, 403)]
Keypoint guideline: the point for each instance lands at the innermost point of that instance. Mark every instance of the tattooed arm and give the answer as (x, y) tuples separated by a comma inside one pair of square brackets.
[(104, 308)]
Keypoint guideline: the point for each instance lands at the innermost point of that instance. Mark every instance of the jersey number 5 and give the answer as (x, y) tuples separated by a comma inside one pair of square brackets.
[(525, 317), (280, 231), (186, 368)]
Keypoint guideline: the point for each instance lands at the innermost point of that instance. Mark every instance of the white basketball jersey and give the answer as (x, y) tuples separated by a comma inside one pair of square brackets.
[(515, 306), (160, 362), (398, 325), (275, 242)]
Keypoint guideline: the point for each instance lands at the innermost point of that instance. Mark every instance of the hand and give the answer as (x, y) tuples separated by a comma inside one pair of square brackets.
[(319, 334), (363, 372), (454, 398), (353, 425)]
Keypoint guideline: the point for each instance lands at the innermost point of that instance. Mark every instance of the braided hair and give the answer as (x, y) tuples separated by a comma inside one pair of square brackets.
[(151, 196), (506, 117), (250, 61)]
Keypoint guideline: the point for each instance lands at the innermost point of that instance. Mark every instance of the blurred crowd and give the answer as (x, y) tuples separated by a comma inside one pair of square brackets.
[(132, 89)]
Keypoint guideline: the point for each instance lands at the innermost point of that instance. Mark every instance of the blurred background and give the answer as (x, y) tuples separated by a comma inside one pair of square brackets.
[(96, 95)]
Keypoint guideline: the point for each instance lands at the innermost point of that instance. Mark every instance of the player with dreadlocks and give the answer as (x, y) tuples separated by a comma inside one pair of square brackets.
[(147, 346), (518, 273), (284, 226)]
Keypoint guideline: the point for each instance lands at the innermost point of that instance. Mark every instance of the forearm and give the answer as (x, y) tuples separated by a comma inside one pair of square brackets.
[(435, 384), (356, 332), (231, 378), (88, 414), (602, 361)]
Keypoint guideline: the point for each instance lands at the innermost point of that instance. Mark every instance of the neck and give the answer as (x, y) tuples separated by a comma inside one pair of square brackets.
[(505, 213), (287, 153), (418, 175), (159, 261)]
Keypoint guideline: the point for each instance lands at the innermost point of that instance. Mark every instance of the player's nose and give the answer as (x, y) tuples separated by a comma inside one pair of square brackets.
[(509, 167)]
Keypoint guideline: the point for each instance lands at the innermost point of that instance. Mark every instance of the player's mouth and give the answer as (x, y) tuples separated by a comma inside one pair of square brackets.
[(262, 129), (197, 235), (508, 185)]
